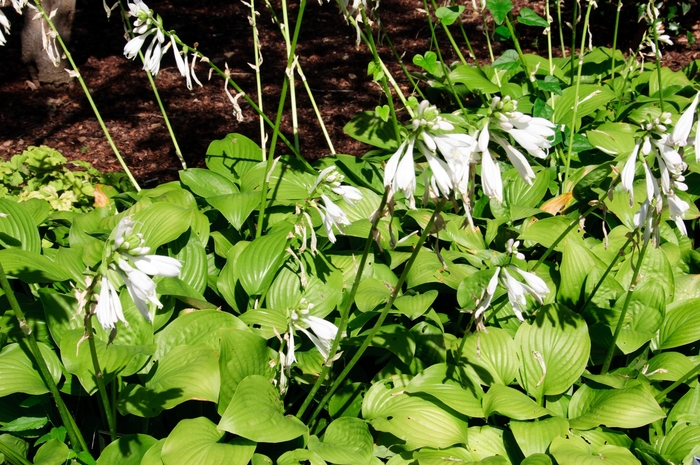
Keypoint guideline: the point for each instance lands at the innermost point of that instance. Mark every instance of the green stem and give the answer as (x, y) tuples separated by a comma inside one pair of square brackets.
[(74, 435), (291, 52), (521, 55), (11, 456), (690, 374), (382, 316), (572, 128), (397, 57), (345, 313), (469, 45), (449, 36), (614, 47), (561, 29), (69, 57), (623, 312), (549, 37), (99, 380), (658, 65), (316, 110), (561, 237), (607, 271), (258, 77)]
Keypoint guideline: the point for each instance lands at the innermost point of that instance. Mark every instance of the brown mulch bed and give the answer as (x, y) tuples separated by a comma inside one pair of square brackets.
[(60, 117)]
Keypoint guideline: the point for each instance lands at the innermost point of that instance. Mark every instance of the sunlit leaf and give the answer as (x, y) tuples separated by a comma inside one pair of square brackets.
[(197, 441)]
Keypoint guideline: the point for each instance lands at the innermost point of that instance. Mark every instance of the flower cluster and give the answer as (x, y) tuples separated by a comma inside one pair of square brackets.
[(147, 25), (656, 32), (4, 22), (127, 260), (664, 148)]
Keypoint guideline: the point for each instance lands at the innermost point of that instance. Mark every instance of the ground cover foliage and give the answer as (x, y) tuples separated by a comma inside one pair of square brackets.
[(508, 276)]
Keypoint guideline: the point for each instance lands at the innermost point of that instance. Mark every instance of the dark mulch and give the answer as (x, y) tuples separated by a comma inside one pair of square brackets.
[(60, 117)]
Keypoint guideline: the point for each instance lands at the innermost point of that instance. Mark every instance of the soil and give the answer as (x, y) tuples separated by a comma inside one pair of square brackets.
[(335, 69)]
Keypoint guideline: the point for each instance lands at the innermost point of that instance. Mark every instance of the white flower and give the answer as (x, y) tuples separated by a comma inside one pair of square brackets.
[(332, 215), (141, 288), (322, 332), (131, 49), (158, 265), (400, 174), (109, 307), (182, 64), (534, 284), (676, 210), (628, 172), (532, 134), (458, 150), (682, 129), (517, 159), (488, 295), (491, 177), (516, 294), (441, 177), (5, 23)]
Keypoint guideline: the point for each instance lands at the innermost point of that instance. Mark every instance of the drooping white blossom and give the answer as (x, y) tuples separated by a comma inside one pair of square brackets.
[(109, 308)]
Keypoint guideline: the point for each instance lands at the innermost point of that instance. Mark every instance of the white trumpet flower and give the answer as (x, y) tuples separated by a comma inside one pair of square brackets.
[(5, 23), (488, 295), (676, 210), (322, 333), (109, 308), (400, 174), (681, 131), (332, 215), (141, 287), (491, 177), (628, 172), (517, 290)]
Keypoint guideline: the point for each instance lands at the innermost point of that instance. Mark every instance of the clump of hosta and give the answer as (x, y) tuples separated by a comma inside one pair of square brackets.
[(126, 261), (657, 145)]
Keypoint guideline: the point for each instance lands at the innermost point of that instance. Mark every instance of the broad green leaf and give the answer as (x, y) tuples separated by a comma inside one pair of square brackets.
[(347, 441), (295, 457), (207, 183), (457, 455), (655, 267), (493, 356), (17, 228), (127, 450), (18, 373), (644, 317), (59, 310), (680, 443), (201, 327), (153, 455), (414, 419), (681, 326), (499, 9), (368, 128), (553, 350), (266, 322), (396, 339), (232, 156), (576, 262), (257, 413), (534, 437), (474, 79), (198, 441), (242, 354), (193, 255), (31, 267), (591, 98), (439, 381), (161, 223), (428, 62), (630, 407), (416, 305), (537, 459), (530, 18), (237, 207), (613, 138), (448, 15), (511, 403), (517, 192), (24, 424), (669, 79), (183, 292), (686, 409), (184, 373), (546, 231), (259, 262), (487, 442), (669, 366), (347, 400), (599, 437), (508, 61), (575, 451), (429, 269), (289, 182), (53, 452), (77, 358), (372, 293)]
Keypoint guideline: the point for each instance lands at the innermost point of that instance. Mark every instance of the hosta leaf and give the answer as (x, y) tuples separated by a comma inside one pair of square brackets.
[(546, 231), (17, 228), (199, 442), (53, 452), (537, 459), (259, 262), (191, 252), (347, 400), (679, 443), (347, 441), (686, 409), (237, 207), (681, 326), (257, 413), (492, 355), (207, 183), (474, 79), (669, 366), (161, 223), (457, 455), (232, 156), (577, 261), (439, 382), (396, 339), (554, 351), (613, 138), (655, 267), (127, 450), (18, 373), (368, 128), (630, 407), (591, 98), (31, 267), (575, 451), (511, 403), (488, 444), (184, 373), (416, 305), (645, 314), (534, 437), (530, 18)]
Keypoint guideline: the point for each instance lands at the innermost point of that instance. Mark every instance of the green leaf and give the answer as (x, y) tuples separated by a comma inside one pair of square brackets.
[(257, 413), (368, 128), (475, 80), (76, 356), (259, 262), (645, 315), (416, 305), (193, 256), (18, 229), (18, 373), (576, 263), (206, 183), (53, 452), (511, 403), (448, 15), (396, 339), (233, 156), (199, 442), (530, 18), (546, 231), (553, 351), (613, 138), (499, 9), (488, 444), (24, 424), (534, 437), (242, 354), (184, 373), (575, 451), (591, 98), (681, 326), (459, 455), (686, 409), (31, 267), (184, 292), (669, 366), (537, 459), (549, 84), (161, 223), (236, 208), (509, 60), (347, 441), (679, 443), (347, 400), (630, 407), (428, 62), (127, 450), (439, 381), (153, 455), (492, 355)]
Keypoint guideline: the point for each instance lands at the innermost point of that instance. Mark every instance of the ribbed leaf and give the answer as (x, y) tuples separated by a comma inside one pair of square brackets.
[(681, 326), (623, 408), (18, 373), (511, 403), (679, 443), (645, 314), (591, 97), (475, 80), (554, 351), (577, 261), (347, 441), (534, 437), (438, 381), (31, 267), (256, 413), (161, 223), (191, 252), (18, 229), (236, 208), (207, 183), (259, 262), (233, 156), (127, 450), (493, 355), (575, 451), (199, 442)]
